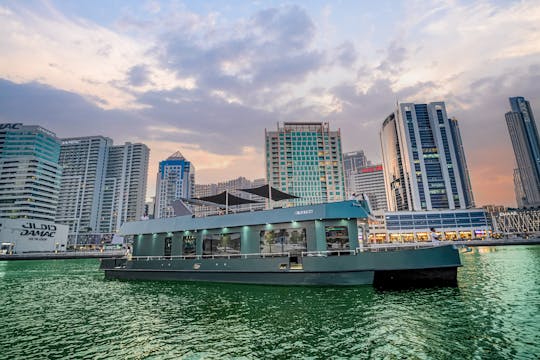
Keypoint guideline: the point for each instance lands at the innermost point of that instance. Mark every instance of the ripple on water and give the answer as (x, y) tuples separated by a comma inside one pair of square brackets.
[(64, 309)]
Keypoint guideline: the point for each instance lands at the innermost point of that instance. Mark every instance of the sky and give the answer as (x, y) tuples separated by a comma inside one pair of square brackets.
[(208, 77)]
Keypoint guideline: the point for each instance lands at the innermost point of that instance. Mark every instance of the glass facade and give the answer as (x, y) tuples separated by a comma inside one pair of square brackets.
[(305, 159), (421, 160), (29, 172)]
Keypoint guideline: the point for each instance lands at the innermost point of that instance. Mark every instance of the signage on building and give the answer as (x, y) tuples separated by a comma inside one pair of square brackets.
[(70, 142), (371, 169), (303, 212), (13, 126), (41, 232)]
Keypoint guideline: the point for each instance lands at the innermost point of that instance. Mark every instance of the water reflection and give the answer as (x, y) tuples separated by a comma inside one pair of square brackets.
[(66, 309)]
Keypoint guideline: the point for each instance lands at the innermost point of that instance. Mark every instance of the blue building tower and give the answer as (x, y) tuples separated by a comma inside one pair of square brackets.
[(175, 180)]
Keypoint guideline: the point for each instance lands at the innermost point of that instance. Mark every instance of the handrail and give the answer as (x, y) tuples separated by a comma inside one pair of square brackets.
[(328, 252), (216, 256)]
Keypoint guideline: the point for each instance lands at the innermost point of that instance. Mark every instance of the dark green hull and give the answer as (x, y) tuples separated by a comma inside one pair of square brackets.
[(404, 267)]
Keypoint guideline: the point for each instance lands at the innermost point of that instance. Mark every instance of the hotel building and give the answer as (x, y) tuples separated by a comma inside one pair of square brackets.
[(29, 172), (526, 144), (84, 161), (175, 180), (305, 159), (421, 159), (124, 191)]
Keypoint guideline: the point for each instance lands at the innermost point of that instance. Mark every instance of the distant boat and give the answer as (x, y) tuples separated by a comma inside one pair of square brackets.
[(305, 245)]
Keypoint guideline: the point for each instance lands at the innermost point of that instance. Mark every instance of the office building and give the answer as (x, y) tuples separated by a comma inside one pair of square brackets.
[(175, 180), (29, 172), (369, 180), (305, 159), (124, 190), (84, 161), (462, 163), (421, 165), (232, 186), (526, 144)]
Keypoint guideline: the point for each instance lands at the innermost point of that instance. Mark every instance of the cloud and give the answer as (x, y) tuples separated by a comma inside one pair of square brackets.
[(211, 82)]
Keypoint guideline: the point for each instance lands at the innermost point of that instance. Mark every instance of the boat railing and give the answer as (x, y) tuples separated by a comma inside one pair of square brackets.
[(213, 256), (329, 253)]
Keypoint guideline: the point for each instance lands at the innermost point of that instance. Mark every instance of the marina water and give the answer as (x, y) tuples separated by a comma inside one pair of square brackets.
[(65, 309)]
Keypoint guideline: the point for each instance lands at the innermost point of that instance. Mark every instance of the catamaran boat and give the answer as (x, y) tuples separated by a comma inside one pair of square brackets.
[(305, 245)]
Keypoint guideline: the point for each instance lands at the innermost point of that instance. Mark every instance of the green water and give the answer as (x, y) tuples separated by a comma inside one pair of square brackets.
[(65, 309)]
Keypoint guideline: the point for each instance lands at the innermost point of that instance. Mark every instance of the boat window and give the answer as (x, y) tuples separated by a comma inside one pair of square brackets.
[(167, 247), (189, 245), (221, 244), (337, 238), (283, 240)]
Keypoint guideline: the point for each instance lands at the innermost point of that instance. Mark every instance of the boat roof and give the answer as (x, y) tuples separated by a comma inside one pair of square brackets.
[(336, 210)]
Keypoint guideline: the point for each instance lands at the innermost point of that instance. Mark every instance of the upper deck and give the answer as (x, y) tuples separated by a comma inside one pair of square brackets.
[(351, 209)]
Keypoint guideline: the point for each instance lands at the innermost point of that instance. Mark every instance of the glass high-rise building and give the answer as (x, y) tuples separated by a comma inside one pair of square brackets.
[(83, 160), (526, 144), (305, 159), (421, 159), (462, 163), (29, 172), (175, 180), (124, 191)]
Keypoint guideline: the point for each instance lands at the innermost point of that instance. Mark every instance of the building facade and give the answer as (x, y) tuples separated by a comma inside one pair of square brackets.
[(369, 180), (124, 190), (84, 161), (305, 159), (415, 226), (352, 163), (526, 145), (420, 160), (175, 180), (29, 172), (462, 163)]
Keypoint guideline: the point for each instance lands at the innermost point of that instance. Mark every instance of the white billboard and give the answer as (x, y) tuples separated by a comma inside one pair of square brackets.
[(27, 235)]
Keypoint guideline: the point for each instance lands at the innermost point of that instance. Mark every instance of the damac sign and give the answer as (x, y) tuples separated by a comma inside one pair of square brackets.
[(10, 126), (42, 230)]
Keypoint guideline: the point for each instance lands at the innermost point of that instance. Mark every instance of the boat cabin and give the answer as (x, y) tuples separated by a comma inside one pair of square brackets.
[(332, 228)]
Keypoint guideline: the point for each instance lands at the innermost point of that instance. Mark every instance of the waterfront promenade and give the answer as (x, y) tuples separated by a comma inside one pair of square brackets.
[(65, 255), (120, 253)]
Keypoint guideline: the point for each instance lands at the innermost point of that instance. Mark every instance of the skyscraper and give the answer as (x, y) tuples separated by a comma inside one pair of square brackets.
[(175, 180), (83, 160), (369, 180), (421, 164), (526, 144), (305, 159), (124, 191), (352, 163), (462, 163), (29, 172)]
